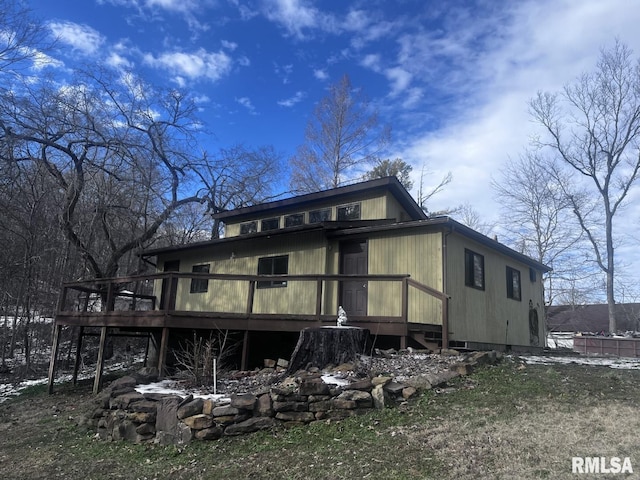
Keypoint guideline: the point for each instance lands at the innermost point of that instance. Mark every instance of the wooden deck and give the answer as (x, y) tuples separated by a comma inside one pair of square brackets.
[(129, 303)]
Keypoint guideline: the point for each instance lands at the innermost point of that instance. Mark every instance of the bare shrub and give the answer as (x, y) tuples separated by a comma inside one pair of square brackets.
[(196, 355)]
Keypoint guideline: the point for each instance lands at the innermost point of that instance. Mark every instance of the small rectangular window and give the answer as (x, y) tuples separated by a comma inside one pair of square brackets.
[(513, 284), (294, 220), (199, 285), (270, 224), (533, 275), (273, 266), (249, 227), (473, 270), (322, 215), (349, 212)]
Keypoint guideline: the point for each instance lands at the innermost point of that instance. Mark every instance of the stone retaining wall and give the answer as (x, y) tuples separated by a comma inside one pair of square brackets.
[(122, 413)]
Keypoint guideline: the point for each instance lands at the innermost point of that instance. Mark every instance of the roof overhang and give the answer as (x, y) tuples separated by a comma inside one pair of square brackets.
[(315, 227)]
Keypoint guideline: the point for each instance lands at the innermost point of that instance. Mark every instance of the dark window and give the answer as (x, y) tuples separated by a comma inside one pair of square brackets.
[(533, 276), (273, 266), (323, 215), (199, 285), (270, 224), (349, 212), (473, 269), (513, 284), (249, 227), (294, 220)]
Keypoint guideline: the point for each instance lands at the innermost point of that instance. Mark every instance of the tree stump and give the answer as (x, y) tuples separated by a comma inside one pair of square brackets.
[(324, 346)]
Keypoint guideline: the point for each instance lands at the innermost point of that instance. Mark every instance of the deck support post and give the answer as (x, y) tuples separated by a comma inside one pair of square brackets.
[(162, 356), (97, 382), (445, 322), (76, 365), (403, 342), (54, 356), (245, 351)]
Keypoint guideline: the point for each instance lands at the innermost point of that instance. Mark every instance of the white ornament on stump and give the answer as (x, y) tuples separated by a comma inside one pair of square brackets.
[(342, 316)]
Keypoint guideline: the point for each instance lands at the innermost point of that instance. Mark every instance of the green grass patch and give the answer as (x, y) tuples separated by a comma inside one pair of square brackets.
[(507, 421)]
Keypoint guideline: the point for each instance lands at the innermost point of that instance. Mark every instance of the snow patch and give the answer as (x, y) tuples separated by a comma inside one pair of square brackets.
[(171, 387), (332, 379), (611, 362)]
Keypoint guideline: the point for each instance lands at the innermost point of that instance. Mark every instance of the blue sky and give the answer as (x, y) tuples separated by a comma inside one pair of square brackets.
[(452, 78)]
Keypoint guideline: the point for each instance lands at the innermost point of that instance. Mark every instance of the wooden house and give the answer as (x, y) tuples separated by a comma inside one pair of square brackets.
[(368, 247)]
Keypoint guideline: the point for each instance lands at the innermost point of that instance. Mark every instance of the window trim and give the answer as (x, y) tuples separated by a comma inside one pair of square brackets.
[(270, 219), (356, 205), (311, 212), (254, 223), (292, 215), (512, 293), (270, 264), (470, 269), (200, 285)]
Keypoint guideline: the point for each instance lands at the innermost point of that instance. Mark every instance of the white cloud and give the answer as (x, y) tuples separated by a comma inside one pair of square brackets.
[(372, 61), (193, 66), (189, 9), (291, 101), (298, 17), (488, 83), (229, 45), (115, 60), (246, 103), (81, 38), (399, 78), (283, 71), (320, 74)]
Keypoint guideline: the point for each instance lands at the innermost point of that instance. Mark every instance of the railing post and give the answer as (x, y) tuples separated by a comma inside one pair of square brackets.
[(405, 300), (110, 300), (250, 295), (319, 298), (173, 293)]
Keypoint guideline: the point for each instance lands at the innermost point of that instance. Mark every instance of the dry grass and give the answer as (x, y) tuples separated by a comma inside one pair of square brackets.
[(504, 422)]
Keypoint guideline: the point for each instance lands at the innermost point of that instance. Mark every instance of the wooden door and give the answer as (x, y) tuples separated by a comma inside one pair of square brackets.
[(168, 294), (353, 293)]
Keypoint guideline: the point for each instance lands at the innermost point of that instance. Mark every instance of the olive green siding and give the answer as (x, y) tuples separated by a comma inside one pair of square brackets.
[(416, 253), (306, 256), (406, 252), (374, 206), (488, 316)]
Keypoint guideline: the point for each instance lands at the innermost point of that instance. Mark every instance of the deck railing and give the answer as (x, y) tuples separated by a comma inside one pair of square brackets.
[(136, 293)]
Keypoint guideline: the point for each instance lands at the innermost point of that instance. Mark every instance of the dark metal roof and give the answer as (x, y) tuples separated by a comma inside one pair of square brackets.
[(592, 318), (391, 184), (321, 226)]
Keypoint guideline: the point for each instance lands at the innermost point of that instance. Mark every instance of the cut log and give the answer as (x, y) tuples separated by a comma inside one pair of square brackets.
[(319, 347)]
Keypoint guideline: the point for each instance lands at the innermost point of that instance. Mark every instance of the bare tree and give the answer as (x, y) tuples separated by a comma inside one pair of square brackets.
[(118, 152), (539, 222), (593, 127), (387, 168), (470, 217), (239, 177), (342, 135), (22, 38), (425, 193)]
